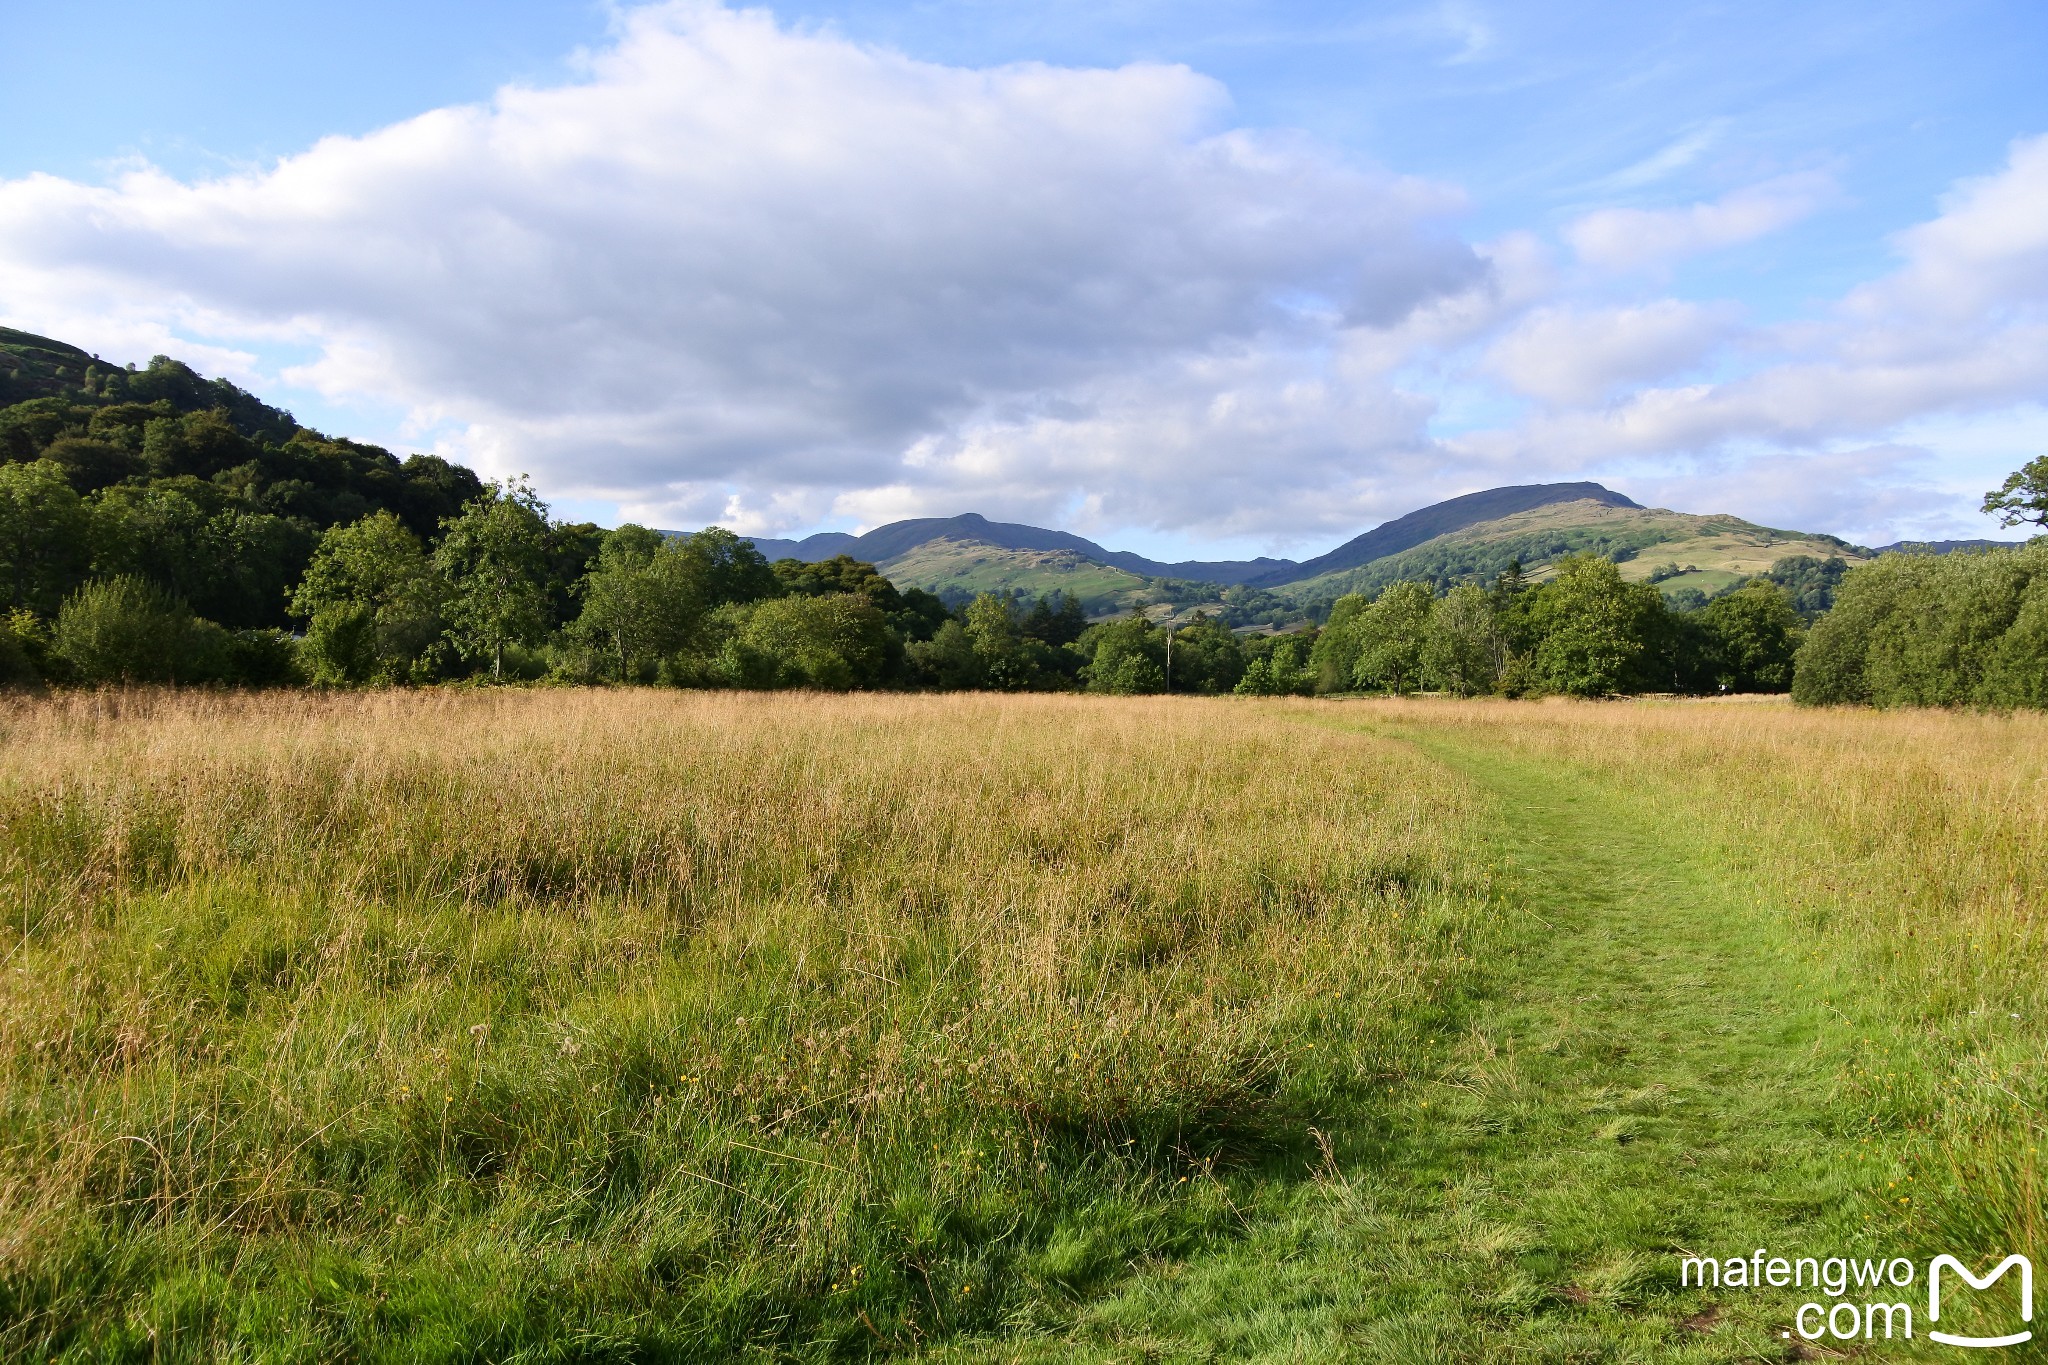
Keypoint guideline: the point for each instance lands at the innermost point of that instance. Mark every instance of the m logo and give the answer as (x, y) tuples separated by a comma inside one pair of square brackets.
[(2026, 1298)]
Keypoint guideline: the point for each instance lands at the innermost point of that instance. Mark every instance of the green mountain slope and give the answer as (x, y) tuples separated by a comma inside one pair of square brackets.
[(975, 567), (38, 367), (1716, 549), (1439, 519)]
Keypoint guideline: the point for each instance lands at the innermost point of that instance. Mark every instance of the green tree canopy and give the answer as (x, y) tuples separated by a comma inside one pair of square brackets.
[(372, 601), (644, 601), (1595, 633), (493, 561), (1206, 657), (42, 535), (2023, 497), (1391, 634), (836, 642), (729, 569), (1126, 657), (1753, 635), (1934, 630), (1463, 651)]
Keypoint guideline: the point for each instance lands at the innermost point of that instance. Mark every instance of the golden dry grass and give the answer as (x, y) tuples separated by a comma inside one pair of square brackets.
[(507, 1019), (1921, 836)]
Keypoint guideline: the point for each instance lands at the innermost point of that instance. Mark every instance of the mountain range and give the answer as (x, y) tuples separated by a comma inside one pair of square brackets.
[(899, 538), (1470, 537)]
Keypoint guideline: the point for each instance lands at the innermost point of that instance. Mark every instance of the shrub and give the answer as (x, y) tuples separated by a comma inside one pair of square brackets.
[(16, 670), (836, 643), (128, 629), (263, 658)]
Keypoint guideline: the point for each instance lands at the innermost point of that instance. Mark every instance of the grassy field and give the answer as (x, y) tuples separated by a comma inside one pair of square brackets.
[(641, 1025), (620, 1025)]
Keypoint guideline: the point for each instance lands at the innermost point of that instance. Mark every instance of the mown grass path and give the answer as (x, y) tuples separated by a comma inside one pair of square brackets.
[(1644, 1067)]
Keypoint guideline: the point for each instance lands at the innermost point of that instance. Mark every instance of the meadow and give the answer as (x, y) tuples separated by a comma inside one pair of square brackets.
[(589, 1024), (637, 1025)]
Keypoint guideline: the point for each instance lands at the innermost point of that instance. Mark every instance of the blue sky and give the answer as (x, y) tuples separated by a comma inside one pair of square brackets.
[(1771, 156)]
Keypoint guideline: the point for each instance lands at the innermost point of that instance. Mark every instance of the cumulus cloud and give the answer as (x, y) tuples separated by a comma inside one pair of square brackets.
[(750, 270), (1959, 328), (1635, 239), (1569, 355), (742, 272), (1875, 493), (1986, 254), (1228, 443)]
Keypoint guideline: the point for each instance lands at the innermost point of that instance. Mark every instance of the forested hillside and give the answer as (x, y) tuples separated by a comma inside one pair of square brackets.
[(190, 483)]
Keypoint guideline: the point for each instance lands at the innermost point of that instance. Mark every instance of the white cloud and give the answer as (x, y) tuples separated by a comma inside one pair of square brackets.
[(1853, 419), (1636, 239), (1224, 444), (767, 276), (739, 265), (1568, 355), (1669, 159), (1869, 494), (1987, 253)]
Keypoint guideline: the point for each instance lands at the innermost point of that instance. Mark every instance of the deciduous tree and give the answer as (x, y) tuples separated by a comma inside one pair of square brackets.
[(493, 561)]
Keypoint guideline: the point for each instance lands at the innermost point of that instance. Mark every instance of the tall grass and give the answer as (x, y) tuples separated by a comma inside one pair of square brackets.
[(1911, 848), (602, 1025)]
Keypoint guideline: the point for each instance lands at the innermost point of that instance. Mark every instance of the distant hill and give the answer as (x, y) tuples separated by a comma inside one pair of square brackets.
[(1945, 547), (233, 493), (948, 567), (1453, 514), (33, 367), (38, 367), (899, 538), (1465, 538), (1678, 549)]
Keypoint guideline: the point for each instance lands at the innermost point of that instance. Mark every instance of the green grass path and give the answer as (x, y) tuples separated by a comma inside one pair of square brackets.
[(1643, 1067)]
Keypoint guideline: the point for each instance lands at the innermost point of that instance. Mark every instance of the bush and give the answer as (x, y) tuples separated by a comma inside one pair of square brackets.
[(340, 648), (128, 629), (263, 658), (15, 668), (835, 643)]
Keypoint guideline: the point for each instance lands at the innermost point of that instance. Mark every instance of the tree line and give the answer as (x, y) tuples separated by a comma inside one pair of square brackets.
[(156, 526), (1947, 630)]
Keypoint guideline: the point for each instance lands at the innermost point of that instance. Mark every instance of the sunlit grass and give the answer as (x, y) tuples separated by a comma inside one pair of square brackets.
[(1911, 848), (584, 1024)]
